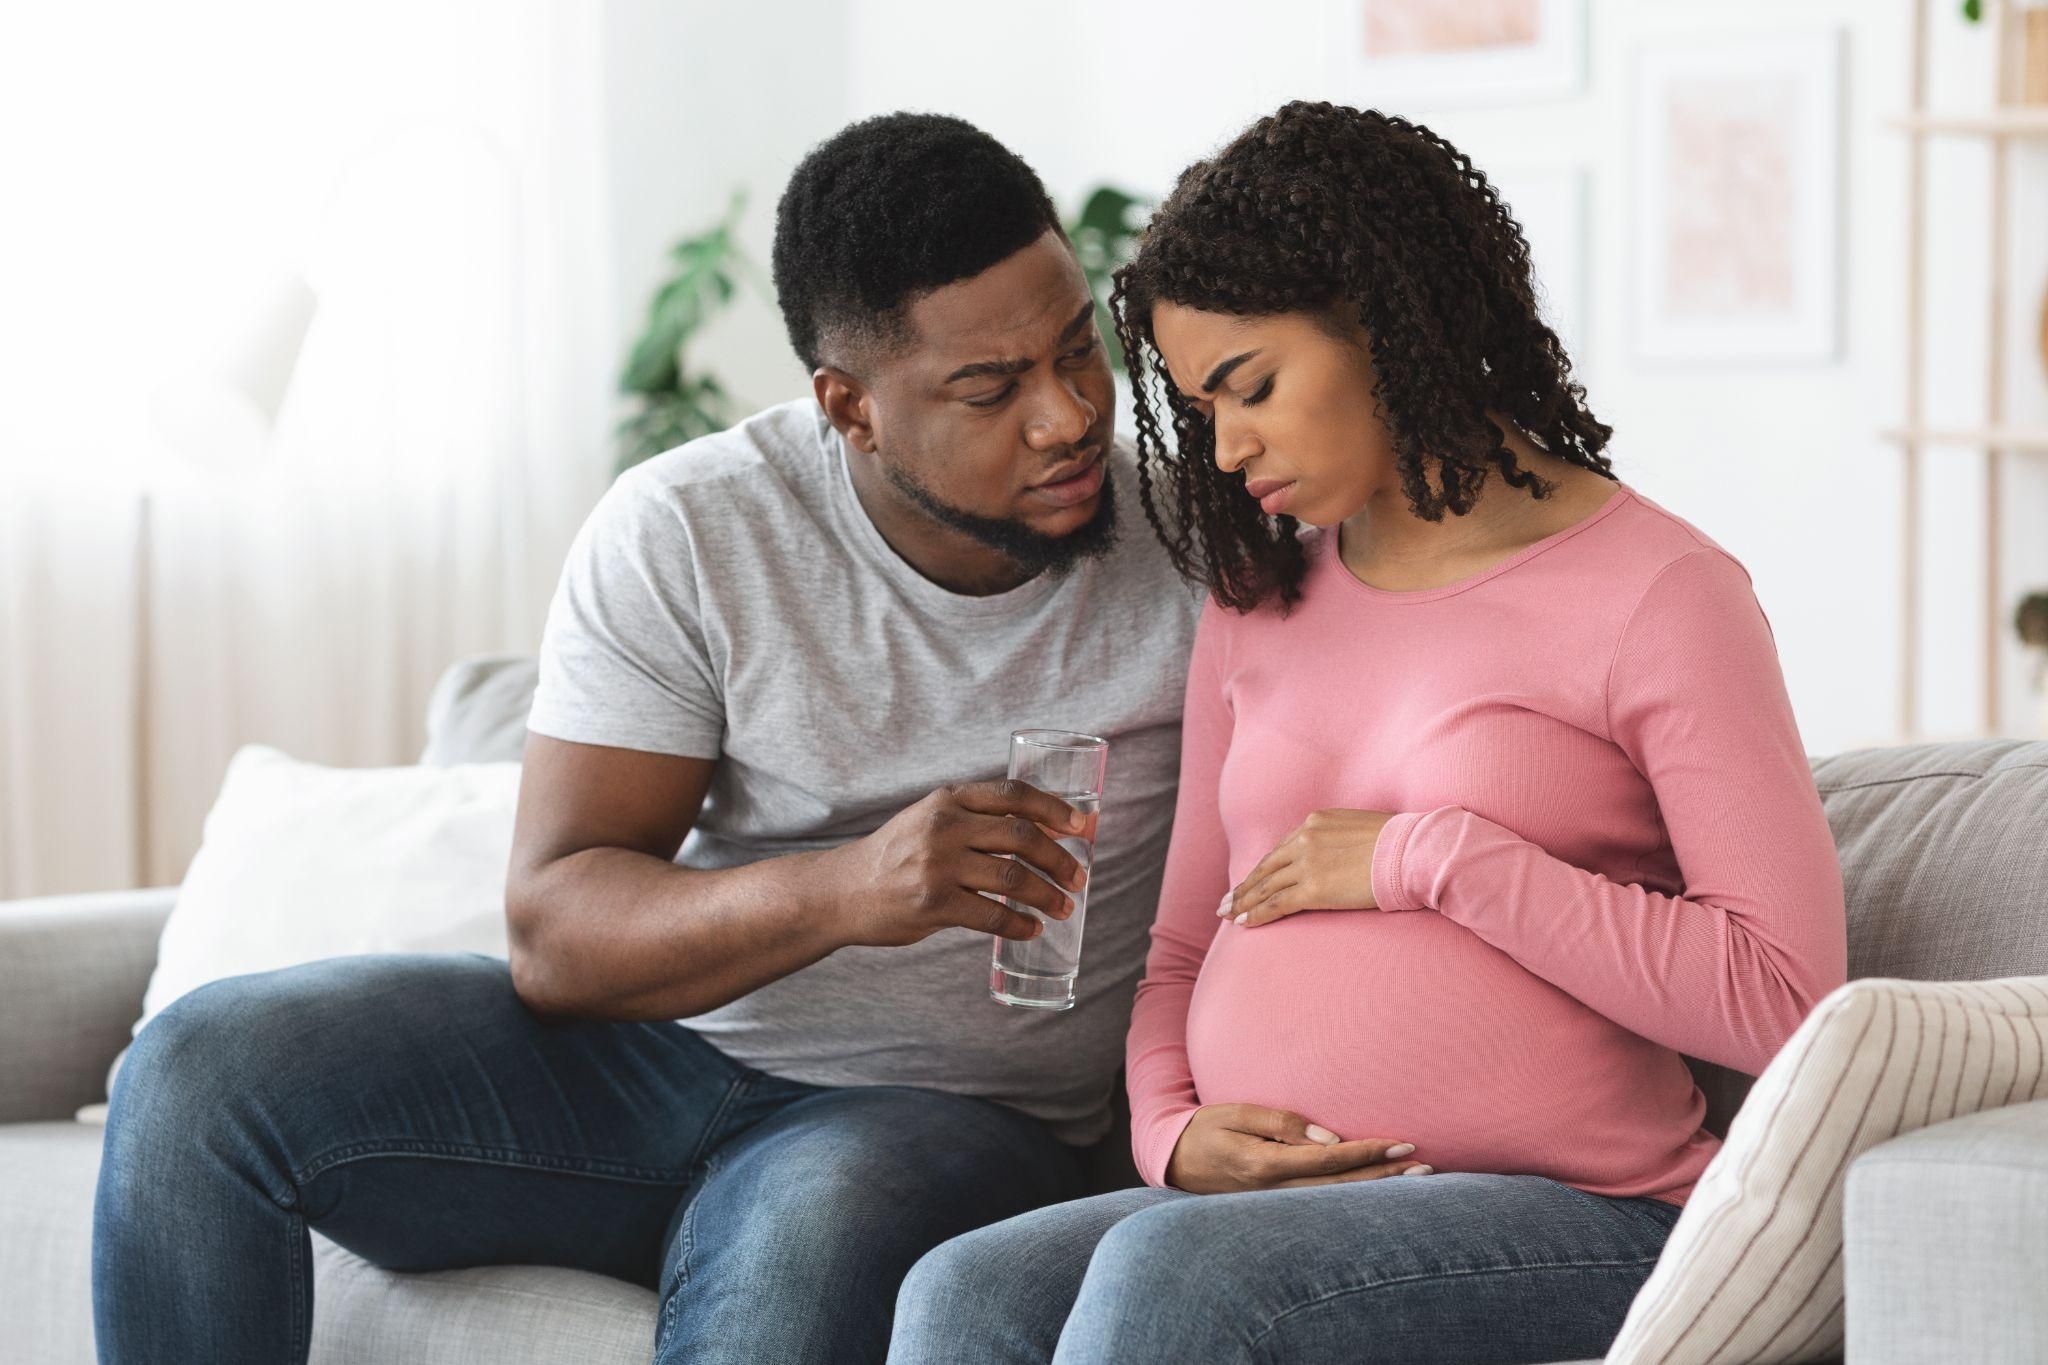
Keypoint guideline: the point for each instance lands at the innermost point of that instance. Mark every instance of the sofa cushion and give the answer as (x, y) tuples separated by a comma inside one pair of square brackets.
[(510, 1315), (478, 711), (1944, 851), (72, 973), (47, 1174), (506, 1314), (1945, 1257), (1753, 1267), (301, 862)]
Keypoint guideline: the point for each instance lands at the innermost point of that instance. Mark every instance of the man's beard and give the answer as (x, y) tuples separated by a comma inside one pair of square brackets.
[(1032, 550)]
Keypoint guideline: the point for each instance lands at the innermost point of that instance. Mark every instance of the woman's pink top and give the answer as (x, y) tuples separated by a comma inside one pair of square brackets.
[(1606, 851)]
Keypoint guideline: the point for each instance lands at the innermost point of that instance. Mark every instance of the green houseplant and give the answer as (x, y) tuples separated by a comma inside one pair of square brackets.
[(672, 402), (1104, 236)]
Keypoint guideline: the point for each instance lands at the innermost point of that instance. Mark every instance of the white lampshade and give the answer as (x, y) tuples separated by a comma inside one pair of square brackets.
[(219, 414)]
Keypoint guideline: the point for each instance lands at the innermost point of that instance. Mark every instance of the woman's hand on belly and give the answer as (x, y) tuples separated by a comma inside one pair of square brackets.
[(1326, 864), (1227, 1148)]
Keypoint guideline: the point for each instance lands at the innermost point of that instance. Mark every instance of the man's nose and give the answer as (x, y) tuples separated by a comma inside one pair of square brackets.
[(1061, 418)]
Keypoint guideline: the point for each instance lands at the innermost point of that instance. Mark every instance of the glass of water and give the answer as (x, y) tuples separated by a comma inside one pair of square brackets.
[(1038, 973)]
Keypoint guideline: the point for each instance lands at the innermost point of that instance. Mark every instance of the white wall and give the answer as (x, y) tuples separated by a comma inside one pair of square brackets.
[(703, 98), (1781, 463)]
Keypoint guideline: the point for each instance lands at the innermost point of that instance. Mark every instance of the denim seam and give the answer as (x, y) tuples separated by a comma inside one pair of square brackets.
[(686, 1233), (741, 1084), (296, 1238), (1264, 1332), (490, 1156)]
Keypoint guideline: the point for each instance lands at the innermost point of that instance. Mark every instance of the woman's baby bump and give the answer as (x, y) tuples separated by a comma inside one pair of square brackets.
[(1409, 1026)]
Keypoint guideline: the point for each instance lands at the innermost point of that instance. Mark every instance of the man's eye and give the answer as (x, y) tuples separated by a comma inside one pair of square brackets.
[(994, 399), (1081, 352), (1260, 394)]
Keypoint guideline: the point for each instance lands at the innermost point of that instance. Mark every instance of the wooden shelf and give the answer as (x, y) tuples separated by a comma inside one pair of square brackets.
[(2012, 121), (1993, 438)]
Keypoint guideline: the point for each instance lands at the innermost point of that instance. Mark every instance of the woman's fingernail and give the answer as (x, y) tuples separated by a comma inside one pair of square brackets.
[(1400, 1149), (1318, 1133), (1420, 1170), (1242, 918)]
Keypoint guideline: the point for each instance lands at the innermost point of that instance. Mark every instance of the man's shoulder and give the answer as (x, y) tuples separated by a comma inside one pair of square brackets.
[(753, 467)]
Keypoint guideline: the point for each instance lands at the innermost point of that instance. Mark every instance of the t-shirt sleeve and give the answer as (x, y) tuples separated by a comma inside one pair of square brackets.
[(1160, 1082), (1726, 970), (624, 659)]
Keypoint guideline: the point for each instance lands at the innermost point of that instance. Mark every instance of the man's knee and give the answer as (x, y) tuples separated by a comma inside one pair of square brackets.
[(203, 1047), (251, 1046)]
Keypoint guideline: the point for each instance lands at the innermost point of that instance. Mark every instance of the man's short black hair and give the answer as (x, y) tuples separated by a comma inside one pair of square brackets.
[(887, 210)]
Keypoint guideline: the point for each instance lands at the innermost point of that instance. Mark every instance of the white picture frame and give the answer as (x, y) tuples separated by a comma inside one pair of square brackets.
[(1737, 169), (1398, 55)]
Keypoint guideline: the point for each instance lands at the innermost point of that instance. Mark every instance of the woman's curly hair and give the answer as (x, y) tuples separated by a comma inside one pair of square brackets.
[(1323, 209)]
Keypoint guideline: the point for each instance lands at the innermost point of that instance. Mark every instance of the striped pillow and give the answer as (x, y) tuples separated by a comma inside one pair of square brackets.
[(1752, 1271)]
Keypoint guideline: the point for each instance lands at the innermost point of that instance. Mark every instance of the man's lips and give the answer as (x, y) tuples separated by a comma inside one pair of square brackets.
[(1075, 482)]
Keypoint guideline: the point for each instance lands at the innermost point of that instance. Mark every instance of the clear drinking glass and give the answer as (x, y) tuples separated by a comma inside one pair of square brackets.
[(1038, 973)]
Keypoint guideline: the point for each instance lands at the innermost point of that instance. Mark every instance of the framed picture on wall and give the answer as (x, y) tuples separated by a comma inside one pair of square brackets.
[(1396, 55), (1737, 196)]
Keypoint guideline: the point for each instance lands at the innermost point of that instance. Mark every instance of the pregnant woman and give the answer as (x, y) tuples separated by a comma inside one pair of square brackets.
[(1492, 805)]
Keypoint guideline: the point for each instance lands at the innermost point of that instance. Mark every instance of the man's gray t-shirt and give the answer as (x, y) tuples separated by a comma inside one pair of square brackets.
[(730, 599)]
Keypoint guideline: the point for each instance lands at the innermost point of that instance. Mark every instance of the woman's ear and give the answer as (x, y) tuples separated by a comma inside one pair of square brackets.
[(848, 406)]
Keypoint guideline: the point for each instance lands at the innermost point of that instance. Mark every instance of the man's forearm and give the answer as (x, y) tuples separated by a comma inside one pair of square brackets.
[(609, 933)]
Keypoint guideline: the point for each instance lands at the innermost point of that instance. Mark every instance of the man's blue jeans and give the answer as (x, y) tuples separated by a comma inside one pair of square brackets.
[(1472, 1269), (415, 1112)]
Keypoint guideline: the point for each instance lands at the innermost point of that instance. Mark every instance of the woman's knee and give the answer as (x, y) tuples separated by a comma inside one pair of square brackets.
[(1168, 1242), (971, 1291), (948, 1280)]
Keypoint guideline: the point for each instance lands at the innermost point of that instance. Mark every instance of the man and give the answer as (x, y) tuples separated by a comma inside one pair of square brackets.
[(760, 797)]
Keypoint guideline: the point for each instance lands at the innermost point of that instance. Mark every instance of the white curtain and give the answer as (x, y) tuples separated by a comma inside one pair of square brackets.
[(434, 173)]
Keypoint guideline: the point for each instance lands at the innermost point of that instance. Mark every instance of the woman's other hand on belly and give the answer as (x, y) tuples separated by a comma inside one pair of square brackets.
[(1227, 1148), (1326, 864)]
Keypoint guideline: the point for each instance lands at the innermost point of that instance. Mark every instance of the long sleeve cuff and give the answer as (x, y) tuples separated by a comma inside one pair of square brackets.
[(1390, 888), (1153, 1139)]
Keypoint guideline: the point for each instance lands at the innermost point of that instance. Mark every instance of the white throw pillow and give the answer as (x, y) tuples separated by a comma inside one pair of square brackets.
[(299, 862), (1753, 1268)]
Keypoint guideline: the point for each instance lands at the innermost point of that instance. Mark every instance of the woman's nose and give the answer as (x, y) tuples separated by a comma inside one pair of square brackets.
[(1234, 446)]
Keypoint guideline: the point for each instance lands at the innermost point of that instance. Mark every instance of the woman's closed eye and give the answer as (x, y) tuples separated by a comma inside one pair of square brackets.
[(1260, 394)]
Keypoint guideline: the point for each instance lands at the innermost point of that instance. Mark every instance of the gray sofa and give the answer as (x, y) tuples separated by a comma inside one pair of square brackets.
[(1945, 850)]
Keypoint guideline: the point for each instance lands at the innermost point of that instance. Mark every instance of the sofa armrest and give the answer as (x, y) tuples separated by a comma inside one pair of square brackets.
[(72, 973), (1945, 1242)]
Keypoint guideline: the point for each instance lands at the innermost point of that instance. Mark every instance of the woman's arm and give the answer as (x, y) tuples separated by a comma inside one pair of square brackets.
[(1726, 971), (1197, 875)]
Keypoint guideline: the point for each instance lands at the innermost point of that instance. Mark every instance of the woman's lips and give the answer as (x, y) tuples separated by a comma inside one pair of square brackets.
[(1078, 489), (1273, 494)]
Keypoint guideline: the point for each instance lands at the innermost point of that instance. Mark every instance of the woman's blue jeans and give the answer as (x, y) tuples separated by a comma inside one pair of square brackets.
[(1410, 1269), (411, 1109)]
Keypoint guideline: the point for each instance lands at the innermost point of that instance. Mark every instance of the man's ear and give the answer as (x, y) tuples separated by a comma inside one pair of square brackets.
[(848, 405)]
